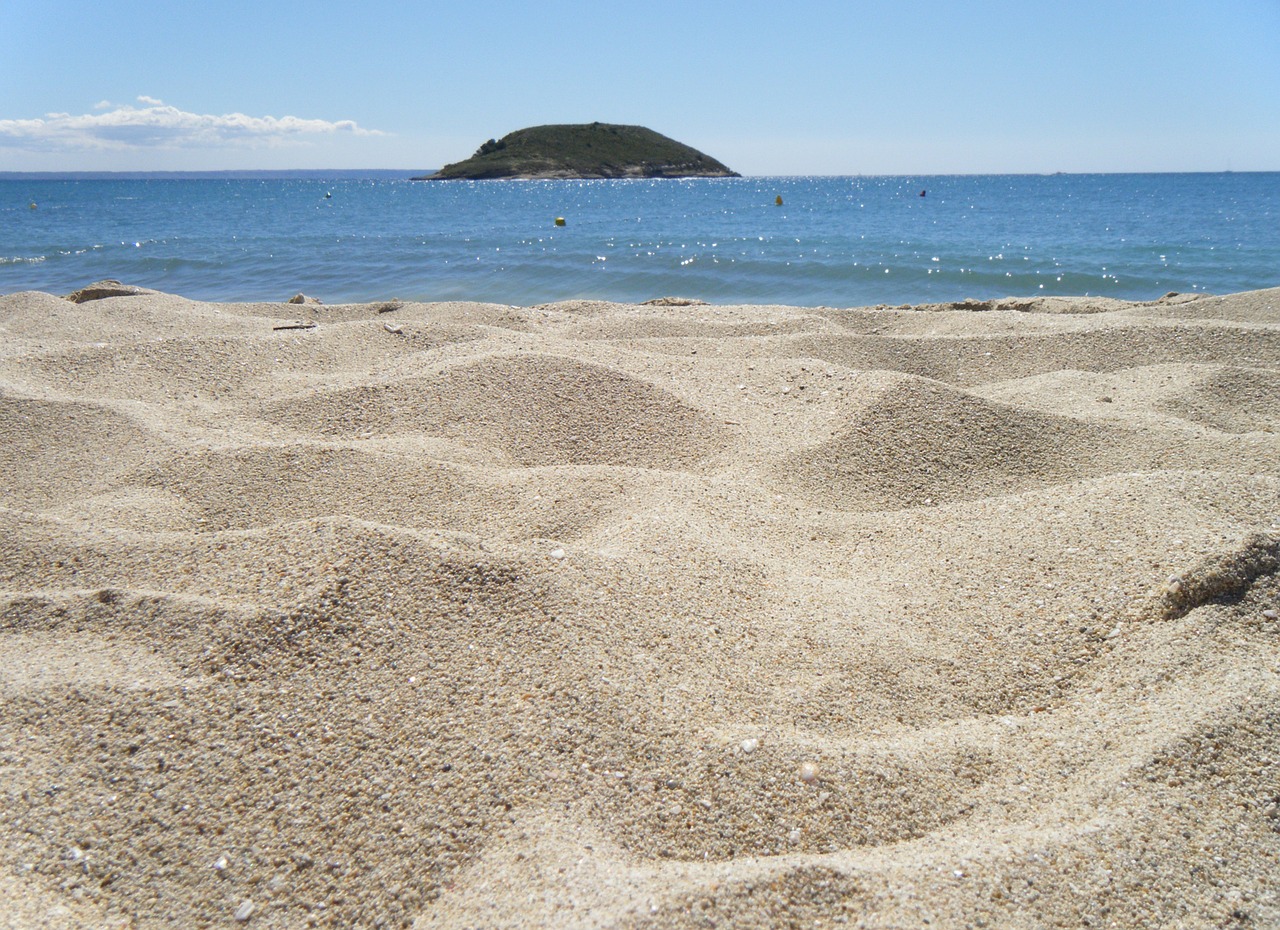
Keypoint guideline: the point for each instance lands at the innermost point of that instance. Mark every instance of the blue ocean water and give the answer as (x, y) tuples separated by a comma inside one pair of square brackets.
[(836, 241)]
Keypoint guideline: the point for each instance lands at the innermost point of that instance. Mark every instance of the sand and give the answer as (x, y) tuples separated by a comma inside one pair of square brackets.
[(675, 615)]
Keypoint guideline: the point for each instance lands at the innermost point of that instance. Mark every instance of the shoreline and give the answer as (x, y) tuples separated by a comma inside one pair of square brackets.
[(1050, 303)]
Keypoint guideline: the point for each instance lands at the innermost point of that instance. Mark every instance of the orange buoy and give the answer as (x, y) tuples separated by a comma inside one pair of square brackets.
[(778, 200)]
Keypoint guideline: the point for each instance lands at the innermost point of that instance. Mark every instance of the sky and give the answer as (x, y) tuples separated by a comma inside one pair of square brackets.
[(810, 88)]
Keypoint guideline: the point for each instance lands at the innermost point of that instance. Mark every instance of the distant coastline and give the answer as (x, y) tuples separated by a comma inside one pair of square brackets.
[(283, 174), (397, 174)]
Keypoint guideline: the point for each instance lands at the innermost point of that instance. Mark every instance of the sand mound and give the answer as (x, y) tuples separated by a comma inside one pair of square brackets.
[(1232, 400), (923, 443), (534, 410), (56, 450), (464, 615), (260, 485)]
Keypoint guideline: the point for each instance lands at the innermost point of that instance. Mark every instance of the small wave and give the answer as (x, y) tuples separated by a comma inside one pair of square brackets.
[(22, 260)]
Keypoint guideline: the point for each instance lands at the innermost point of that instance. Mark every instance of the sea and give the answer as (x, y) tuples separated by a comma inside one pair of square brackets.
[(807, 241)]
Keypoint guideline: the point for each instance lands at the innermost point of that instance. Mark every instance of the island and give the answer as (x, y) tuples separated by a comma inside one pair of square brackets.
[(583, 150)]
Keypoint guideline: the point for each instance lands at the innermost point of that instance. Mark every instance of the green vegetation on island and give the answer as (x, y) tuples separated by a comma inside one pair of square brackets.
[(583, 150)]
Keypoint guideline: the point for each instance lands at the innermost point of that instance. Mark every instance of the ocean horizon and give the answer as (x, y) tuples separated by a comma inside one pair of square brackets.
[(350, 235)]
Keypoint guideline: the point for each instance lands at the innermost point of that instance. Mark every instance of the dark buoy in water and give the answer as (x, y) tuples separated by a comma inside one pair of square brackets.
[(559, 220), (922, 193), (778, 200), (328, 194)]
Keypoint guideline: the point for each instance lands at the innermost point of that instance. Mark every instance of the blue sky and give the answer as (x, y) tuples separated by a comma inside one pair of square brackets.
[(814, 88)]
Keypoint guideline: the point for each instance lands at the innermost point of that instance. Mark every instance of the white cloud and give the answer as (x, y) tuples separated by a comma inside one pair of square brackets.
[(156, 125)]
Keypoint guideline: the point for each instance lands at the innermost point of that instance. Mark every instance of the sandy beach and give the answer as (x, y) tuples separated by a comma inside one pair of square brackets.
[(639, 616)]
